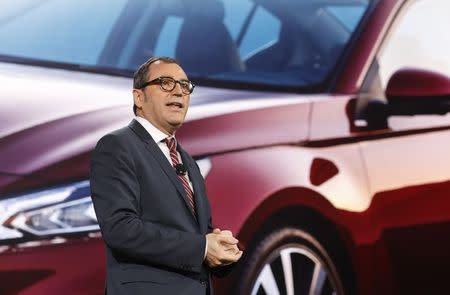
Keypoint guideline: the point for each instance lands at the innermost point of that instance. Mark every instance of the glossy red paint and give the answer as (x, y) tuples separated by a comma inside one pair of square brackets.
[(53, 267), (417, 83), (199, 138), (363, 51)]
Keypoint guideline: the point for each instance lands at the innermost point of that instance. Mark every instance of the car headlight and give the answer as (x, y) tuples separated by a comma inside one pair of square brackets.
[(55, 211), (62, 210)]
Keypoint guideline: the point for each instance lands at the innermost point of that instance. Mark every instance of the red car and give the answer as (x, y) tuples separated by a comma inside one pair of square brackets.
[(321, 128)]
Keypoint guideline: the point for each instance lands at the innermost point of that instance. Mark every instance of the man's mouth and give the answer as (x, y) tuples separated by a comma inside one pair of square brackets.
[(175, 104)]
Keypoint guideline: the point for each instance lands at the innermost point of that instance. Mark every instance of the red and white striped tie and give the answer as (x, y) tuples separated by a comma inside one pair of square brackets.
[(171, 144)]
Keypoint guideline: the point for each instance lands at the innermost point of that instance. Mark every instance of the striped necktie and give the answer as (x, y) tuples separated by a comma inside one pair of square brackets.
[(171, 144)]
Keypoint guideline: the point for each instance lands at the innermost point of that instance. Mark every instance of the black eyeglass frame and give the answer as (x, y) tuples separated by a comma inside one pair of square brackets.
[(159, 81)]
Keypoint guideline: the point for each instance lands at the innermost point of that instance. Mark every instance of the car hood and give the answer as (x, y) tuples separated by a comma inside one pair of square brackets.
[(51, 115)]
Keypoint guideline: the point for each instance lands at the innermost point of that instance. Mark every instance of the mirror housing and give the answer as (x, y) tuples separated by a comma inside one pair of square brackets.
[(411, 82), (413, 91)]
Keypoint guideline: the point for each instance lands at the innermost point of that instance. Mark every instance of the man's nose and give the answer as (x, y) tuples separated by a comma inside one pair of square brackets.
[(177, 90)]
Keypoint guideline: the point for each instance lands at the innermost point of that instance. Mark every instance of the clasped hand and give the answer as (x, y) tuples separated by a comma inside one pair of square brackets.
[(222, 248)]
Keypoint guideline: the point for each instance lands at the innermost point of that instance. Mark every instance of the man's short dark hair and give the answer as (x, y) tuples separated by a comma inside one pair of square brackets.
[(140, 76)]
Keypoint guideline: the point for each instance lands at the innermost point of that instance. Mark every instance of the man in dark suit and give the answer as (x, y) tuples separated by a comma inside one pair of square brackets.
[(150, 198)]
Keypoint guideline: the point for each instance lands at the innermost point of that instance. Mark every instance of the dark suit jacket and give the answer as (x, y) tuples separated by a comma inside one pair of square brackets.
[(154, 245)]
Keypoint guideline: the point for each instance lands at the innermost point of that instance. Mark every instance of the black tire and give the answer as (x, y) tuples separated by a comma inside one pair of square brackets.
[(312, 270)]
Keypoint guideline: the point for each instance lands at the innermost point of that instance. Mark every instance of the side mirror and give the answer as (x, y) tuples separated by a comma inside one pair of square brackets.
[(414, 92), (409, 92)]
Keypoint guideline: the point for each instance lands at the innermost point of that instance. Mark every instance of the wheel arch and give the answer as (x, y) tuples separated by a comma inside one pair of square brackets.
[(305, 209)]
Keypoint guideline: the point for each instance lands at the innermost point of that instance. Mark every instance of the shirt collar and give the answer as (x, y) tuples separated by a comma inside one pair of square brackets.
[(154, 132)]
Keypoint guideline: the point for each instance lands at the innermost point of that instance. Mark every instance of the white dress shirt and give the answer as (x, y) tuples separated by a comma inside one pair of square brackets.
[(159, 136)]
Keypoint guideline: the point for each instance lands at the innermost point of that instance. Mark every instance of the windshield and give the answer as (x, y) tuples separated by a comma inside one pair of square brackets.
[(288, 43)]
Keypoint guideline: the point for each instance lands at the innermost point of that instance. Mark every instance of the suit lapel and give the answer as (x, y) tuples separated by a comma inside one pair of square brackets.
[(195, 178), (156, 152)]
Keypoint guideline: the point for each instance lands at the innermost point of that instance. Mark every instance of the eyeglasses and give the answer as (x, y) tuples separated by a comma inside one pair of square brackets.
[(168, 84)]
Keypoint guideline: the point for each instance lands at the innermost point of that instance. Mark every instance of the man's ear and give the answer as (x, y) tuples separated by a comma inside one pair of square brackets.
[(138, 97)]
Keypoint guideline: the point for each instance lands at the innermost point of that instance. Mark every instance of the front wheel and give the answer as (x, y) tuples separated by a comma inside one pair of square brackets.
[(289, 261)]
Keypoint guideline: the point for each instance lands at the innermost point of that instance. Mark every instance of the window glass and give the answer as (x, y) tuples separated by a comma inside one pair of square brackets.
[(281, 43), (420, 40), (262, 33), (236, 12), (348, 16), (60, 31), (167, 41)]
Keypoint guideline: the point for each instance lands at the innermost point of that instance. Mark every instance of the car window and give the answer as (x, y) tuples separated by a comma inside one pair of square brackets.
[(262, 32), (420, 39), (347, 16), (281, 44), (236, 13), (167, 41), (59, 31)]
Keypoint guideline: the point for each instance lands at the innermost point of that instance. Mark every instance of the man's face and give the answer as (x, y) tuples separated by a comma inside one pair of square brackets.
[(165, 110)]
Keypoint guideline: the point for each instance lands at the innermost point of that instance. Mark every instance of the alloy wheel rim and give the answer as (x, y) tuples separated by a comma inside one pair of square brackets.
[(292, 270)]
